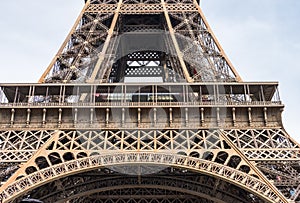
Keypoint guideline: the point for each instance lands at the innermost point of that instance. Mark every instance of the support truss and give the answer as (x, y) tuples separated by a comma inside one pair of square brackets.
[(163, 104), (88, 54)]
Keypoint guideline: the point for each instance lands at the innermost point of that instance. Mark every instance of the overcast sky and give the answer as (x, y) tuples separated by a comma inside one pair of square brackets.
[(261, 38)]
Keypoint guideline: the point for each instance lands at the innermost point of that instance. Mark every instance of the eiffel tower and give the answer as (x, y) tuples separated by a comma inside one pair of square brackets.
[(141, 104)]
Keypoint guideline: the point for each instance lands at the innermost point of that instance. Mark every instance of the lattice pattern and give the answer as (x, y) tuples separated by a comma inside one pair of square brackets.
[(270, 144), (90, 36), (79, 54), (104, 2), (45, 175), (18, 146), (199, 48), (256, 160), (144, 71), (96, 182), (139, 8), (184, 140), (205, 144)]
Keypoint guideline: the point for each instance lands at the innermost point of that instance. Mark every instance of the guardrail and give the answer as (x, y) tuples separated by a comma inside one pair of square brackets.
[(141, 104)]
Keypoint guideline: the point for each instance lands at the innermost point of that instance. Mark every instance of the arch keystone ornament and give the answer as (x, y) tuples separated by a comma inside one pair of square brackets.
[(141, 104)]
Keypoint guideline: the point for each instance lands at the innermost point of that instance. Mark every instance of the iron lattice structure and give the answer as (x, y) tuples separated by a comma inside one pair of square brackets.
[(141, 104)]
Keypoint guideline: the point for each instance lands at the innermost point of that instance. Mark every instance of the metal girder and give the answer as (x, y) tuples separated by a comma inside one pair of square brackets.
[(165, 183), (44, 75), (26, 126), (210, 161), (15, 188), (94, 38), (103, 52), (228, 131), (175, 43)]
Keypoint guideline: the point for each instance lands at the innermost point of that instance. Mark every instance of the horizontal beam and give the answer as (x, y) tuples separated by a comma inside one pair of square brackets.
[(140, 8)]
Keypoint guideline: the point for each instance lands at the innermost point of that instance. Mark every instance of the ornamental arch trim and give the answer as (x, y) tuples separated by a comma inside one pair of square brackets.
[(226, 173)]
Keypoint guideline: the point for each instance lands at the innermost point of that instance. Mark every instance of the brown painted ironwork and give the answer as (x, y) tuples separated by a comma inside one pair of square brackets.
[(141, 104)]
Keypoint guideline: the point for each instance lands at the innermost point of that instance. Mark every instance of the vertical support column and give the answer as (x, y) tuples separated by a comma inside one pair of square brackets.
[(107, 117), (139, 117), (175, 43), (155, 140), (155, 116), (44, 117), (218, 116), (105, 139), (233, 117), (93, 94), (16, 95), (28, 118), (250, 116), (216, 94), (30, 97), (139, 140), (262, 94), (186, 117), (123, 117), (172, 139), (59, 117), (2, 96), (171, 116), (75, 117), (12, 118), (202, 117), (266, 116), (91, 116), (245, 93), (61, 95), (122, 140)]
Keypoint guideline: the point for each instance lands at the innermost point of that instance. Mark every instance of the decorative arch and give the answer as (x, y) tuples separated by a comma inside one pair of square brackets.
[(201, 187), (229, 174)]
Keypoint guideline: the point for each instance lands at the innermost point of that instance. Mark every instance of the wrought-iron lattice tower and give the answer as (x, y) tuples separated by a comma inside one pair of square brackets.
[(141, 104)]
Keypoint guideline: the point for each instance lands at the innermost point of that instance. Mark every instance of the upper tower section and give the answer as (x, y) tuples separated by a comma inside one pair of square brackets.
[(148, 40)]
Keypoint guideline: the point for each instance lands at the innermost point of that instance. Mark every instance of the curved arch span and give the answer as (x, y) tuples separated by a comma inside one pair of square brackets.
[(170, 188), (41, 177), (189, 184)]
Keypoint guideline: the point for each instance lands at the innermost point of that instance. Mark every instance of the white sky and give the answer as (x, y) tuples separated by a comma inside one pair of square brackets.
[(261, 38)]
